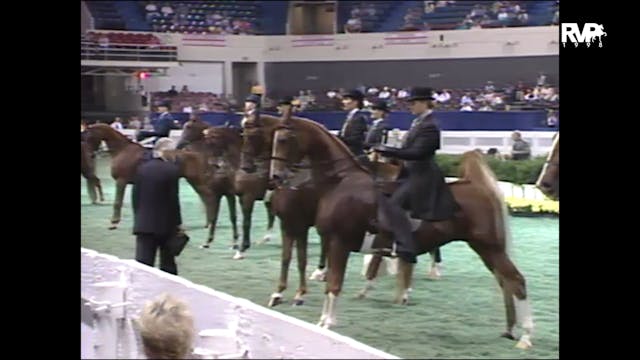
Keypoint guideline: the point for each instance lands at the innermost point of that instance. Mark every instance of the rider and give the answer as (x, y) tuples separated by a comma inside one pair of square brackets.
[(163, 125), (251, 107), (354, 128), (378, 132), (425, 192)]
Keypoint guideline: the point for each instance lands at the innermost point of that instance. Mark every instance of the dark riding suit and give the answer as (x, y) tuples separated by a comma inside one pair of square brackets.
[(353, 134), (161, 128), (424, 191)]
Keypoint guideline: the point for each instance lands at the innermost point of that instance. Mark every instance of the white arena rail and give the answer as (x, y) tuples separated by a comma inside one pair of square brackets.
[(265, 333), (455, 142)]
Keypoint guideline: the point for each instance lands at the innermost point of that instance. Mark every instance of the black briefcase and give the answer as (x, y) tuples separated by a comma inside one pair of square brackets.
[(178, 243)]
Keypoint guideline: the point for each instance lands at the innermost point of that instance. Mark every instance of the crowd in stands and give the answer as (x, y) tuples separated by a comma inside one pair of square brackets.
[(201, 18), (449, 15), (188, 101), (540, 96)]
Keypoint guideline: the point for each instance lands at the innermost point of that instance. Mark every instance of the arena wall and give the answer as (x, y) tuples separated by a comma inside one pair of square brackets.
[(267, 334)]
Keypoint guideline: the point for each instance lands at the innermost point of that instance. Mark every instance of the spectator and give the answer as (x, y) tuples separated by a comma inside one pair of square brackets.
[(485, 107), (552, 118), (466, 107), (166, 10), (184, 90), (156, 208), (520, 150), (172, 91), (167, 329), (135, 123), (117, 124)]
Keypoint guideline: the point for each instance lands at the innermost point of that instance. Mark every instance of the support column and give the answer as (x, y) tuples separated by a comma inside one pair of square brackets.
[(228, 77)]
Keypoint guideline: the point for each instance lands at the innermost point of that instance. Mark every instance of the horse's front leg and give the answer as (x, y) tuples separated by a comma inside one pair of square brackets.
[(121, 185)]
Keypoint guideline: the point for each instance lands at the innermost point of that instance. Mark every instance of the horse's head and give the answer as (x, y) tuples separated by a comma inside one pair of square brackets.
[(257, 140), (93, 136), (192, 131), (288, 150), (548, 181)]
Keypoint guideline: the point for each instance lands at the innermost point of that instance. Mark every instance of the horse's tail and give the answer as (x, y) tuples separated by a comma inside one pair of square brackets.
[(475, 169)]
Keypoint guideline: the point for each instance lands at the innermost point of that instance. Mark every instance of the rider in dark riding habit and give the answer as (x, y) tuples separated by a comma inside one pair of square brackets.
[(424, 191), (354, 130), (162, 126)]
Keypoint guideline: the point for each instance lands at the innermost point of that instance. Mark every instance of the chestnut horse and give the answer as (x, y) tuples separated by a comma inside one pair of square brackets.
[(125, 157), (88, 171), (350, 206), (223, 144), (548, 181), (294, 203)]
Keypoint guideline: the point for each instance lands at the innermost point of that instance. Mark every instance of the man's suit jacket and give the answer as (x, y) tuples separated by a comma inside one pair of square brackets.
[(155, 198)]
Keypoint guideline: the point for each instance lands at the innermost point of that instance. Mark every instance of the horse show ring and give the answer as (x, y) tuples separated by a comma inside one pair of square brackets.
[(459, 316)]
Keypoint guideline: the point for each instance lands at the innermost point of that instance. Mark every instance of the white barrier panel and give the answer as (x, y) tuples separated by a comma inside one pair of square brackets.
[(457, 142), (266, 333)]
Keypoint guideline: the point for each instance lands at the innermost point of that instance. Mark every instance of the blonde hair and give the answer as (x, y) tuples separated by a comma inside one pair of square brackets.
[(166, 328)]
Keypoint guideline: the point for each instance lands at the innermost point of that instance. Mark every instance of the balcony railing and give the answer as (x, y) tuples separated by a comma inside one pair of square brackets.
[(128, 52)]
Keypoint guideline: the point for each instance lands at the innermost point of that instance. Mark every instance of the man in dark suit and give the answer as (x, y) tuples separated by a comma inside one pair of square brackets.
[(156, 208), (162, 126), (425, 192), (377, 134), (355, 126)]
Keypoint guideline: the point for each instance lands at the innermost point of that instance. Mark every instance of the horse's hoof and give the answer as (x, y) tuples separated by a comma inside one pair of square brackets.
[(266, 238), (361, 295), (204, 246), (238, 256), (234, 247), (404, 302), (297, 302), (434, 274), (113, 226), (524, 343), (275, 301), (507, 335)]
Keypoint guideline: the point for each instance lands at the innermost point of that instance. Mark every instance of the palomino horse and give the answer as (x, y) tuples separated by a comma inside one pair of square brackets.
[(548, 181), (125, 157), (88, 171), (294, 203), (227, 141), (349, 206)]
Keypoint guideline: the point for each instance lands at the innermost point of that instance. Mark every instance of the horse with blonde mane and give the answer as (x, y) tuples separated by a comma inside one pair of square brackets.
[(549, 180), (350, 206)]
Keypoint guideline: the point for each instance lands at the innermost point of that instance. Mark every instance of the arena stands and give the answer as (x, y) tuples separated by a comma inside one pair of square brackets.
[(509, 97), (269, 18)]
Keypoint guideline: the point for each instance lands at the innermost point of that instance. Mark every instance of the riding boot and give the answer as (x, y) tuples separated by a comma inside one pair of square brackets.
[(401, 228)]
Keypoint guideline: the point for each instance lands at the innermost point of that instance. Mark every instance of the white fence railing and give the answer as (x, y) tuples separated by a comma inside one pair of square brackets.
[(265, 333), (457, 142)]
